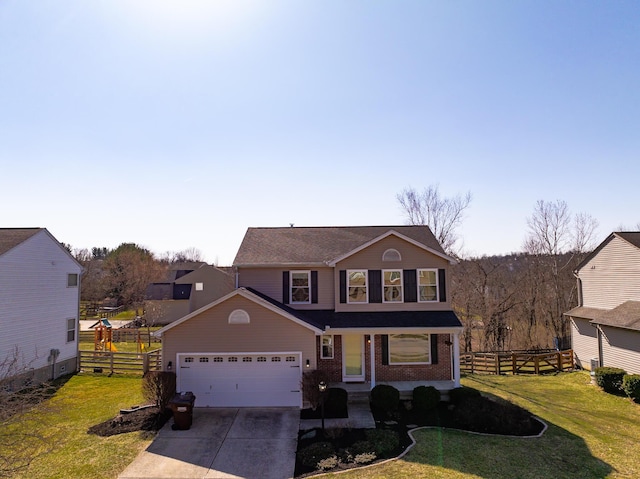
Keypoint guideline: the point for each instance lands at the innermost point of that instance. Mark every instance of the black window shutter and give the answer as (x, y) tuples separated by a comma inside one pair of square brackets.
[(410, 285), (442, 284), (314, 286), (285, 287), (375, 286), (343, 286), (384, 342), (433, 340)]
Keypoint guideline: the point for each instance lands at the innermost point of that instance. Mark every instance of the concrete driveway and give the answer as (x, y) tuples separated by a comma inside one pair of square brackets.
[(223, 443)]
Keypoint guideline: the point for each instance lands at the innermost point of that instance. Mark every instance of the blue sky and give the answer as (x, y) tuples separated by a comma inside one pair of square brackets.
[(180, 124)]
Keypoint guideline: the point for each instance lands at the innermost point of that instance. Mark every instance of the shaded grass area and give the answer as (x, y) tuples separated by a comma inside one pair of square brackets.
[(591, 435), (83, 401)]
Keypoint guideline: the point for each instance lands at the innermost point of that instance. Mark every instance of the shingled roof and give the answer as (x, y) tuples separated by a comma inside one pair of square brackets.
[(318, 245), (12, 237), (626, 315)]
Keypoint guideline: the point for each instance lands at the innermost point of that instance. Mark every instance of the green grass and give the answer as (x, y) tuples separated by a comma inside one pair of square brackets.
[(591, 435), (85, 400)]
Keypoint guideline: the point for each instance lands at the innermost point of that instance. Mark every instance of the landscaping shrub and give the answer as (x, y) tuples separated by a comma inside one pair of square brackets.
[(159, 387), (364, 458), (329, 463), (631, 386), (311, 455), (425, 398), (310, 381), (384, 441), (336, 402), (458, 395), (361, 447), (385, 398), (610, 379)]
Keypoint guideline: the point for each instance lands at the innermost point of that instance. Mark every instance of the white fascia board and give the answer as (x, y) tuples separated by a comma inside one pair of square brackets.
[(247, 295), (282, 265), (363, 246)]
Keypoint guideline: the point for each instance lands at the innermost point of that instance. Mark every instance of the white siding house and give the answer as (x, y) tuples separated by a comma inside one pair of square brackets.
[(605, 327), (39, 304)]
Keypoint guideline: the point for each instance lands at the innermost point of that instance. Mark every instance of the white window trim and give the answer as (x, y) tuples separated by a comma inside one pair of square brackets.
[(75, 330), (291, 273), (366, 285), (239, 316), (435, 270), (391, 363), (322, 356), (386, 256), (401, 285), (77, 280)]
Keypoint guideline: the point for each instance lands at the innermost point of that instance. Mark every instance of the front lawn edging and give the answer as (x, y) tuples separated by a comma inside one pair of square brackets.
[(410, 432)]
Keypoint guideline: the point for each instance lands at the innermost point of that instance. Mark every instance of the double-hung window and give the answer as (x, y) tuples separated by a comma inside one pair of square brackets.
[(300, 282), (357, 286), (427, 285), (392, 286), (326, 341), (71, 330)]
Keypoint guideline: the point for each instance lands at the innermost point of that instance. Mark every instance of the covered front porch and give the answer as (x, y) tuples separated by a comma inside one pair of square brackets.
[(360, 391)]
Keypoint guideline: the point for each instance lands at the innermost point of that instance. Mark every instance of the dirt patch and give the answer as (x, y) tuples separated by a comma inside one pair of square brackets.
[(142, 419)]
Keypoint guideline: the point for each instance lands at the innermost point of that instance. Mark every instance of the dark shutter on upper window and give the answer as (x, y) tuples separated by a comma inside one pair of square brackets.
[(384, 343), (442, 286), (375, 286), (285, 287), (433, 340), (410, 286), (343, 286), (314, 286)]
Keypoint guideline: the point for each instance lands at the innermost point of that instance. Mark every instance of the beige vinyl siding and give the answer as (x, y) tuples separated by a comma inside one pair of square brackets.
[(269, 281), (584, 342), (612, 276), (621, 349), (210, 331), (413, 257)]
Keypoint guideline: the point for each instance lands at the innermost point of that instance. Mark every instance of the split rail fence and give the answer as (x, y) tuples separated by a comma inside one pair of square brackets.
[(123, 363), (517, 362)]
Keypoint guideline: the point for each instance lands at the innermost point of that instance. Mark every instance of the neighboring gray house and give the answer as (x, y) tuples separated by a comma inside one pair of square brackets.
[(39, 304), (366, 305), (605, 327), (189, 286)]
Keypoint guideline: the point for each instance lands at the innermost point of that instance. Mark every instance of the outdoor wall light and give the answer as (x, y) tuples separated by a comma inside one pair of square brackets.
[(169, 365), (308, 364)]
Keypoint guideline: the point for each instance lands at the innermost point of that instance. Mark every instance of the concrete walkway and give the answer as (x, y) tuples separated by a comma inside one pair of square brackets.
[(223, 443), (360, 417)]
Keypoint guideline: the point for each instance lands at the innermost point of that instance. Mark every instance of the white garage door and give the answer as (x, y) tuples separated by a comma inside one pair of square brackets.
[(242, 379)]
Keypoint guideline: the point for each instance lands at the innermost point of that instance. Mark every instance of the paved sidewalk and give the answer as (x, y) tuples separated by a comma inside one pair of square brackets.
[(223, 443), (360, 417)]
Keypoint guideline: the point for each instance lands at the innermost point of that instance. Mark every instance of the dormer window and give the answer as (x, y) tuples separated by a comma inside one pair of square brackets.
[(357, 286), (300, 282), (391, 255)]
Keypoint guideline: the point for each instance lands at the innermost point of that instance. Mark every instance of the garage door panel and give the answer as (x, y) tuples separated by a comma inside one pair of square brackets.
[(242, 380)]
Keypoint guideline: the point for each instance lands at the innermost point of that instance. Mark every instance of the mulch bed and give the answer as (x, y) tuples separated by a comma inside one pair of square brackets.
[(141, 419)]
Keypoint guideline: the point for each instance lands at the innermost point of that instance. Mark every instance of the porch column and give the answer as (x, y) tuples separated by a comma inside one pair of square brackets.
[(456, 360), (372, 359)]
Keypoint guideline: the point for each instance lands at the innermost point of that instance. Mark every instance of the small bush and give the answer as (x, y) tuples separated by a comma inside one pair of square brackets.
[(361, 447), (159, 387), (311, 455), (425, 398), (336, 401), (610, 379), (365, 458), (458, 395), (385, 398), (328, 463), (631, 386), (384, 441)]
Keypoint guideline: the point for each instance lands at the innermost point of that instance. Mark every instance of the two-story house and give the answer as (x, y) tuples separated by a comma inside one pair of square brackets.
[(367, 305), (605, 327), (39, 304)]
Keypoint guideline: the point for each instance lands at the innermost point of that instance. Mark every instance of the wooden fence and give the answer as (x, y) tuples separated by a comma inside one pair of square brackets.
[(124, 363), (517, 362), (122, 336)]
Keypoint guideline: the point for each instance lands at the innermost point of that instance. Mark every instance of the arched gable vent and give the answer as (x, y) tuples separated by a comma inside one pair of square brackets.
[(391, 255), (239, 316)]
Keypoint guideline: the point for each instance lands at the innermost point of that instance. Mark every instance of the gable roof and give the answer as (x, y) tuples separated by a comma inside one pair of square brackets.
[(625, 316), (251, 295), (321, 245), (631, 237), (12, 237)]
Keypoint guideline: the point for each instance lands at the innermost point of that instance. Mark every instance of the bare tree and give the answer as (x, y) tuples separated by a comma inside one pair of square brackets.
[(443, 215), (188, 255)]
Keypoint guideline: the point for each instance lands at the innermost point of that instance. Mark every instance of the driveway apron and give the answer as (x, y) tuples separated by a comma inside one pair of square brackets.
[(223, 443)]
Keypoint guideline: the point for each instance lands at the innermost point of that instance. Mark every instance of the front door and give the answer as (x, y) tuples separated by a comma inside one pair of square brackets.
[(352, 358)]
